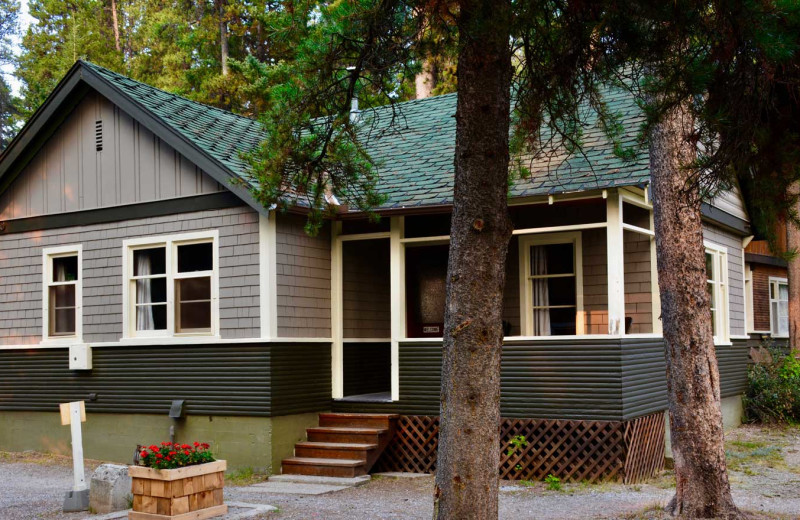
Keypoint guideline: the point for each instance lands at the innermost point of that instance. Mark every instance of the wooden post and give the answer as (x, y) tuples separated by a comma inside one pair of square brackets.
[(616, 265), (73, 414)]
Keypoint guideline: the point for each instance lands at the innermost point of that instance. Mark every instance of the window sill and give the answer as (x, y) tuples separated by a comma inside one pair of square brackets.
[(61, 342), (171, 340)]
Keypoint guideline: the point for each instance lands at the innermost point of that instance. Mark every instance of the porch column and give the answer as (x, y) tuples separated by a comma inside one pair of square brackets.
[(656, 293), (397, 271), (616, 264), (337, 301)]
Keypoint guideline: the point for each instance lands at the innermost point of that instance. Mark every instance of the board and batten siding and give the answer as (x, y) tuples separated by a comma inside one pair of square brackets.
[(733, 244), (21, 268), (304, 279), (263, 379), (69, 174)]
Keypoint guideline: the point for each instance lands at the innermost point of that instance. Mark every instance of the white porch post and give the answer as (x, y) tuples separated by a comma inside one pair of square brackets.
[(616, 264), (268, 275), (655, 291), (337, 301), (397, 269)]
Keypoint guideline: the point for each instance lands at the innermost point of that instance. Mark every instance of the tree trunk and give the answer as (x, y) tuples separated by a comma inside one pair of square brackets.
[(116, 24), (793, 274), (703, 490), (223, 38), (469, 444), (425, 81)]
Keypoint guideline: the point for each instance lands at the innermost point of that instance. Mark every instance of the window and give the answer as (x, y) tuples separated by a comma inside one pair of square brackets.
[(171, 286), (717, 284), (779, 306), (62, 294), (551, 284)]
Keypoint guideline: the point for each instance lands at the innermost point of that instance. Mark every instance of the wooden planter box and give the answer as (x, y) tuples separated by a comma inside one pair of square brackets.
[(193, 492)]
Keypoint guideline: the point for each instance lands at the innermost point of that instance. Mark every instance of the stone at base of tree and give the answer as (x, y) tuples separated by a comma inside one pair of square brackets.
[(110, 489), (76, 501)]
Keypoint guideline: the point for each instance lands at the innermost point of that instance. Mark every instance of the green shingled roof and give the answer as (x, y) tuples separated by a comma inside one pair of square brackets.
[(414, 157)]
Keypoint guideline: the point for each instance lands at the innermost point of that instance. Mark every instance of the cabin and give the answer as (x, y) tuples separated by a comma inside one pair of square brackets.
[(139, 274)]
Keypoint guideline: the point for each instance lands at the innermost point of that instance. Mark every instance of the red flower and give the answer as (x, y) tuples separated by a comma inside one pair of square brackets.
[(205, 446), (173, 453), (196, 444), (185, 446), (165, 444), (159, 456), (143, 454), (187, 452), (153, 448)]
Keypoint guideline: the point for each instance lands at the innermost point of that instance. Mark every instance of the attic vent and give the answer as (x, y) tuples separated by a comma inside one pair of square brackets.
[(98, 135)]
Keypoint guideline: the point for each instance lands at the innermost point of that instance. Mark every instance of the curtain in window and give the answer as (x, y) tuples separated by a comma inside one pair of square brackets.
[(61, 272), (144, 314), (783, 309), (541, 292)]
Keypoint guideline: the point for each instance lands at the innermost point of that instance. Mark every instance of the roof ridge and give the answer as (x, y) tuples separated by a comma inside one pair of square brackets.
[(229, 112), (167, 92)]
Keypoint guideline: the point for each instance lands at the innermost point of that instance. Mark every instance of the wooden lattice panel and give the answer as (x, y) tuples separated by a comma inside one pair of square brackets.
[(644, 443), (413, 448), (569, 450)]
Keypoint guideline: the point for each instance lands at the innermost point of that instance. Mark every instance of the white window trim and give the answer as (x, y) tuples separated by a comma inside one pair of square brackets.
[(47, 272), (170, 242), (525, 291), (775, 280), (722, 291)]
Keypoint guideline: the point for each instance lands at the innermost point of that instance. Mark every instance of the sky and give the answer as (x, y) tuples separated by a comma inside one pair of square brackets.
[(25, 20)]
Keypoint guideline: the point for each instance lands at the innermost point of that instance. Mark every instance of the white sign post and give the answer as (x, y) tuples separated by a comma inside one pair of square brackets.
[(73, 414)]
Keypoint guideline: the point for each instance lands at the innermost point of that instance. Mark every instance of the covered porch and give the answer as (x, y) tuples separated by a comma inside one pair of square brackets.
[(580, 268)]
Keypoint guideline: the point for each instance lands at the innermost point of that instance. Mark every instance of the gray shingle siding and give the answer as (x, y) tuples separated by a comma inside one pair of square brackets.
[(733, 243), (304, 279), (21, 265)]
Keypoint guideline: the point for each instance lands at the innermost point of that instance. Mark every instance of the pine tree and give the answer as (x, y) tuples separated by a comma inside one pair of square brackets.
[(9, 14)]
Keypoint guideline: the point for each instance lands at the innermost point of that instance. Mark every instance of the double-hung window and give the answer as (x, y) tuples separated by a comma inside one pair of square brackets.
[(62, 294), (551, 284), (171, 285), (717, 285), (779, 307)]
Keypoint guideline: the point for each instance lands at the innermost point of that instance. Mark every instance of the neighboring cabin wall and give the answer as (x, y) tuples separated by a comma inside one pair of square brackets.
[(733, 244), (304, 279), (595, 281), (69, 174), (21, 268), (761, 276)]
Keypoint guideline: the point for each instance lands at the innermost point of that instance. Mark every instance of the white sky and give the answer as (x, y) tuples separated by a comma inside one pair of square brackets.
[(25, 20)]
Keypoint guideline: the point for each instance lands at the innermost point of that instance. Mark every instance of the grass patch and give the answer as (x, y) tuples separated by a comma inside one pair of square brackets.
[(245, 477), (748, 456)]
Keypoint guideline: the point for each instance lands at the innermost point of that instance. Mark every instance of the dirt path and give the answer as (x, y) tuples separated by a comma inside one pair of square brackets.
[(764, 463)]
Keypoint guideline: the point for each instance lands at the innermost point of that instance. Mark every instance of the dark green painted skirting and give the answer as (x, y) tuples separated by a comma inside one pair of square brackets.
[(230, 379), (613, 379)]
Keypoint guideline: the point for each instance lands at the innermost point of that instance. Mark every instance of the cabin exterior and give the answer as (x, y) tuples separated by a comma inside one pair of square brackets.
[(136, 270)]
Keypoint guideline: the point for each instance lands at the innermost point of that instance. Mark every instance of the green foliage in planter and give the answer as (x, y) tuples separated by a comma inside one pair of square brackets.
[(773, 389), (175, 455)]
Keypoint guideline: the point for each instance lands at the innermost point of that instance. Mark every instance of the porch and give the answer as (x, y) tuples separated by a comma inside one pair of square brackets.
[(580, 269)]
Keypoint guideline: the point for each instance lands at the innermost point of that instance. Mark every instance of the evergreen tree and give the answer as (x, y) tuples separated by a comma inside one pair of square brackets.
[(9, 14), (64, 31)]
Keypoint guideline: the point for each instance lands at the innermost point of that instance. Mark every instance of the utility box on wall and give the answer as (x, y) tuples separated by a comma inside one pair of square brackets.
[(80, 357)]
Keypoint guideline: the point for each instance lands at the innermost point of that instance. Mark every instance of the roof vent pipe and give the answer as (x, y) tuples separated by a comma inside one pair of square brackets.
[(355, 113)]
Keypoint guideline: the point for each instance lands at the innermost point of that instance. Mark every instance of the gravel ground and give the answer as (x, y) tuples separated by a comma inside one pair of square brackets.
[(765, 475)]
